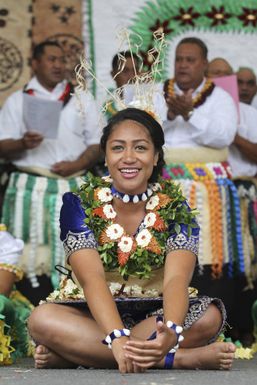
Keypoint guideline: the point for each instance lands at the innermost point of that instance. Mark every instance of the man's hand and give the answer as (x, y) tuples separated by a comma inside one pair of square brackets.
[(31, 139), (180, 105), (65, 168)]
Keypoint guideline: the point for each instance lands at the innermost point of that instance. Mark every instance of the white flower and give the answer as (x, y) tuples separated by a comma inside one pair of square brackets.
[(133, 291), (155, 186), (152, 203), (70, 286), (150, 219), (127, 290), (125, 244), (114, 287), (114, 231), (143, 238), (109, 212), (107, 179), (136, 291), (151, 293), (105, 194)]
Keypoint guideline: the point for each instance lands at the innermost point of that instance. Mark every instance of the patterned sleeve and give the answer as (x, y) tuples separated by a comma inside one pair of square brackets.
[(75, 234), (180, 240)]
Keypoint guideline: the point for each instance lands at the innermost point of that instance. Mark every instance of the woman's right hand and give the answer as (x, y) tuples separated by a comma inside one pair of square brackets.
[(125, 364), (31, 139)]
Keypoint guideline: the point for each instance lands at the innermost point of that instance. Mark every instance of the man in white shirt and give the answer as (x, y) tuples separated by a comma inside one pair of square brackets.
[(47, 166), (243, 162), (125, 66), (243, 150), (247, 85), (201, 124), (76, 145), (199, 114)]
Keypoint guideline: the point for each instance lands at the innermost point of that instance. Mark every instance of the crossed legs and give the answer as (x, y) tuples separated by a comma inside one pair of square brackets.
[(68, 337)]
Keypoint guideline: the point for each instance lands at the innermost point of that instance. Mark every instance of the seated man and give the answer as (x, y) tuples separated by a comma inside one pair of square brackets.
[(123, 72), (243, 150), (243, 161), (33, 196), (197, 110), (200, 125), (247, 85)]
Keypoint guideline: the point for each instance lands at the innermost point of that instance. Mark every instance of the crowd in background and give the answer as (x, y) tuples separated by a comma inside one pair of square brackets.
[(206, 132)]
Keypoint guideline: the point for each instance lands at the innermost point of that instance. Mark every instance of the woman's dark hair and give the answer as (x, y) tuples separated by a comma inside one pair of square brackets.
[(153, 127)]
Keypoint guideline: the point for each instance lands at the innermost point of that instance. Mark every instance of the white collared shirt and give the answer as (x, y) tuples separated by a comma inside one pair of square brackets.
[(247, 128), (254, 101), (212, 124), (79, 126)]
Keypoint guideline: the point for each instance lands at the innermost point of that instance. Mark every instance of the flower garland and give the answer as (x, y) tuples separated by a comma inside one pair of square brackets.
[(216, 228), (201, 96), (134, 255)]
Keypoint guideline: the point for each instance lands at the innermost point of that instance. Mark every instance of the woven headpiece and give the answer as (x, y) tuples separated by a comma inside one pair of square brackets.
[(146, 94)]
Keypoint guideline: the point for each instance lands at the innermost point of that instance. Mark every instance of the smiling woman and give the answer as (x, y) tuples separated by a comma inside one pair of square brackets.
[(142, 247)]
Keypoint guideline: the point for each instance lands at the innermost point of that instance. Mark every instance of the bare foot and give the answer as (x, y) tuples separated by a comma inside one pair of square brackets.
[(46, 358), (219, 355)]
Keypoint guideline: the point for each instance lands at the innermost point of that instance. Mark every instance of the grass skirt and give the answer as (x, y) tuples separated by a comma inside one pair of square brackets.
[(14, 338)]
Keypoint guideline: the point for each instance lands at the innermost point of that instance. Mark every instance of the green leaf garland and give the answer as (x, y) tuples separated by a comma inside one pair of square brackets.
[(140, 262)]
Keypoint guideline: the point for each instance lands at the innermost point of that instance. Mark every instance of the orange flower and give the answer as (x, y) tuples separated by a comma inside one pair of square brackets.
[(217, 239), (122, 257), (96, 198), (154, 246), (103, 238), (98, 212), (159, 224), (164, 200)]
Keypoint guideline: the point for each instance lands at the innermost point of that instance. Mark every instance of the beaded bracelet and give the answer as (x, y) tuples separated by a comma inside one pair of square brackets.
[(178, 330), (169, 358), (116, 333), (171, 325)]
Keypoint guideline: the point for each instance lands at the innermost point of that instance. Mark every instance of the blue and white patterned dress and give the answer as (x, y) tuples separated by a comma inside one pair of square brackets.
[(76, 235)]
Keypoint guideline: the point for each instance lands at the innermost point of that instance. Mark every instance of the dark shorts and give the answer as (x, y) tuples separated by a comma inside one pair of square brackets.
[(133, 312)]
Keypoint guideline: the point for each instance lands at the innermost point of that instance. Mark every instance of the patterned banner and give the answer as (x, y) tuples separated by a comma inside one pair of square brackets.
[(15, 45), (60, 20), (227, 27)]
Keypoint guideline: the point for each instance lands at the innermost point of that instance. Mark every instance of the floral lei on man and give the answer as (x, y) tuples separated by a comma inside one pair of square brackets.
[(199, 99), (134, 255)]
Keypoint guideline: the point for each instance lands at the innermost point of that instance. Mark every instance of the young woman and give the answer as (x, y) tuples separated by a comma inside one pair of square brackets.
[(142, 228)]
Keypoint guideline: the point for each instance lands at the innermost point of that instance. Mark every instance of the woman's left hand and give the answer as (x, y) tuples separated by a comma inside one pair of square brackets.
[(146, 354)]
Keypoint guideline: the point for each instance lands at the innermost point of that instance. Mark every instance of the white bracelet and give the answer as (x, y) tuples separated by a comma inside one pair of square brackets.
[(116, 333), (178, 330)]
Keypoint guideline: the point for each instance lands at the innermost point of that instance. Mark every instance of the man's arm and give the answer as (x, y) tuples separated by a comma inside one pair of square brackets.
[(12, 148), (214, 124), (89, 157), (85, 161), (247, 148)]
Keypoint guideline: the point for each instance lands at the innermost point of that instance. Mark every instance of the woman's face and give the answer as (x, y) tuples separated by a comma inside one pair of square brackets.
[(130, 157)]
